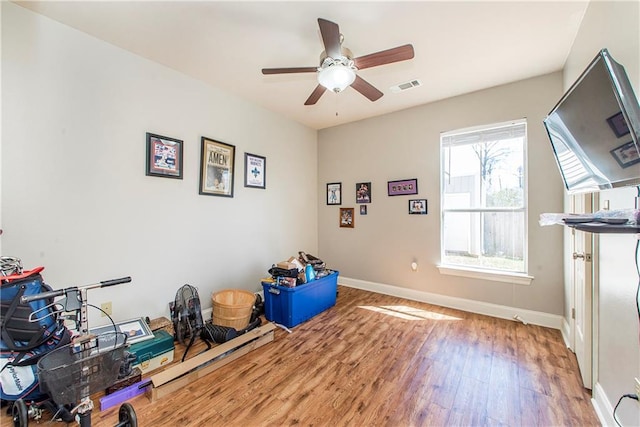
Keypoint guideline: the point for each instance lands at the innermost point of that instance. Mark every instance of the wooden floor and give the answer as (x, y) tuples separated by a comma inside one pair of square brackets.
[(376, 360)]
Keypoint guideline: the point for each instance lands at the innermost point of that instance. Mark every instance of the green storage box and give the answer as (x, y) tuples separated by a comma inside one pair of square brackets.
[(154, 353)]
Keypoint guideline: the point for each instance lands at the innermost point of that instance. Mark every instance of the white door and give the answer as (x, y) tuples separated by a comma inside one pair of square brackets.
[(582, 278)]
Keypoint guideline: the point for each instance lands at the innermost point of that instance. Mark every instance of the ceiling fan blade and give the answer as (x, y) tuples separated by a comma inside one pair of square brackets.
[(330, 37), (396, 54), (289, 70), (366, 89), (315, 95)]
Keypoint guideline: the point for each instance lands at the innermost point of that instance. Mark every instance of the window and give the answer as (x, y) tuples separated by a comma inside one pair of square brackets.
[(484, 198)]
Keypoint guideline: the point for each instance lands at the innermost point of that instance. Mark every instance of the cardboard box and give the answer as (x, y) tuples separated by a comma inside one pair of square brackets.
[(297, 263), (292, 306), (287, 265)]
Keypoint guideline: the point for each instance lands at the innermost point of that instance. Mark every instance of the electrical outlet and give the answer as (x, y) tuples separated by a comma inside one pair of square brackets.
[(107, 309), (638, 387)]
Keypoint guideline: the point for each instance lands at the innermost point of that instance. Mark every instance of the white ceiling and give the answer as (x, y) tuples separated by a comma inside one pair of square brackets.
[(460, 46)]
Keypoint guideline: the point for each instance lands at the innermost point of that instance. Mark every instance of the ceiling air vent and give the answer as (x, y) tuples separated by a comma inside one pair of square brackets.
[(406, 86)]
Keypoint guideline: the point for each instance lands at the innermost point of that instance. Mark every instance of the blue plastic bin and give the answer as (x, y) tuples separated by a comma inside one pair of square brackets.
[(292, 306)]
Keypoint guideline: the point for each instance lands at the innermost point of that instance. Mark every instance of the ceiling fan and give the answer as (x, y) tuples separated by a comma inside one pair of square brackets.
[(338, 68)]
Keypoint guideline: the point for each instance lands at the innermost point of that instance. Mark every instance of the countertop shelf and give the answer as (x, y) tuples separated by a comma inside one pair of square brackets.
[(599, 227)]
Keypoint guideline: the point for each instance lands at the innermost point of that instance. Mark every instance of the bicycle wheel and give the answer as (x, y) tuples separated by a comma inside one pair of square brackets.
[(127, 416)]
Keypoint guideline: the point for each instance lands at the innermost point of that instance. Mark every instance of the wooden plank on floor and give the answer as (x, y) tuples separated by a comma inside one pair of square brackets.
[(186, 367), (185, 379)]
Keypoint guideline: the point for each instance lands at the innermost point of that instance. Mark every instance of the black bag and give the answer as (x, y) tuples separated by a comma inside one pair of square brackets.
[(26, 326), (282, 272)]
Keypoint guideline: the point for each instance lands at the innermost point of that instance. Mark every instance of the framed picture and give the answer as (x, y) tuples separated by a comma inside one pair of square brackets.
[(217, 161), (418, 207), (287, 282), (334, 193), (618, 124), (363, 192), (136, 330), (164, 156), (363, 209), (626, 154), (402, 187), (255, 169), (346, 217)]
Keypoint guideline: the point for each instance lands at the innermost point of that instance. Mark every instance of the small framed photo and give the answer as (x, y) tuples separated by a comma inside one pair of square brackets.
[(402, 187), (217, 161), (363, 209), (346, 217), (164, 156), (418, 207), (136, 330), (255, 169), (618, 124), (287, 282), (363, 192), (334, 193), (626, 154)]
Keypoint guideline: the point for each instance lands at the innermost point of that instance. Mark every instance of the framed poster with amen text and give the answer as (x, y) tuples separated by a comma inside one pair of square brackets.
[(217, 161)]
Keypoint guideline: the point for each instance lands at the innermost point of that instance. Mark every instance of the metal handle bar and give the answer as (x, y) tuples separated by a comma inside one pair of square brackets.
[(57, 293)]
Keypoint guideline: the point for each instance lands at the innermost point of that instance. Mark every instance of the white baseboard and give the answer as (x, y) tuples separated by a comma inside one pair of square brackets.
[(494, 310), (566, 333), (602, 406)]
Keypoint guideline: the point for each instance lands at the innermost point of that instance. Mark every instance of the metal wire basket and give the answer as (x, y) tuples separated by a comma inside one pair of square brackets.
[(74, 372)]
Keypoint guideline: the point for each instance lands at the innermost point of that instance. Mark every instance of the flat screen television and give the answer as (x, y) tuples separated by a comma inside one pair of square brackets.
[(595, 129)]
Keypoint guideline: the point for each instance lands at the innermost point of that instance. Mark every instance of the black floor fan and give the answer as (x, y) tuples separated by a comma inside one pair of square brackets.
[(187, 317)]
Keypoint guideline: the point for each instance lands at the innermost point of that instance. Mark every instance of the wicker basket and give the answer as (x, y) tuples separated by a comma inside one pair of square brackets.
[(232, 308), (162, 323)]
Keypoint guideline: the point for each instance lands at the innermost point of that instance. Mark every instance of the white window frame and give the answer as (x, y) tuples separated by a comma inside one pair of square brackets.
[(497, 275)]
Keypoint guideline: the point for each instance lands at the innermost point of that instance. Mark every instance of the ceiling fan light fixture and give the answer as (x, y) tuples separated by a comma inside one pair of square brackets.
[(336, 77), (338, 67)]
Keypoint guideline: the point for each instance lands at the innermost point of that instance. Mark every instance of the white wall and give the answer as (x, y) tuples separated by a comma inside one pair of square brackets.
[(75, 197), (615, 26), (406, 144)]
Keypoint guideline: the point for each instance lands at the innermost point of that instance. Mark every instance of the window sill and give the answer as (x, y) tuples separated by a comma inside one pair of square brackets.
[(514, 278)]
